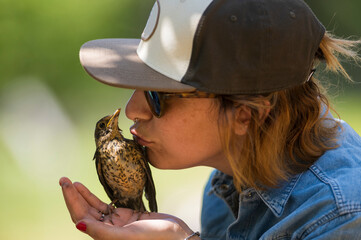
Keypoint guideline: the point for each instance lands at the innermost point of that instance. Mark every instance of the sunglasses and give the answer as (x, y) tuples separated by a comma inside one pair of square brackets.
[(156, 100)]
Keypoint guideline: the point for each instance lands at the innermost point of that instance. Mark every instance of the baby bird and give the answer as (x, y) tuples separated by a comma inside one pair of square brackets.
[(122, 167)]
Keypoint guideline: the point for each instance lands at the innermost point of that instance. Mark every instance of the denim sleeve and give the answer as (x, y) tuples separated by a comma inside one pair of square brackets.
[(346, 226)]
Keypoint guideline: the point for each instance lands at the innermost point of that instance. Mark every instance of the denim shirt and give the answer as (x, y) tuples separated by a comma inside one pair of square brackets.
[(323, 202)]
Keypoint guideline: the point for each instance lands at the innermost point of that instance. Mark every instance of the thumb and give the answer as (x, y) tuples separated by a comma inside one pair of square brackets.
[(100, 231)]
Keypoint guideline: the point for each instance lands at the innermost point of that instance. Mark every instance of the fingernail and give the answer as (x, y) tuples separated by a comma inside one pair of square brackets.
[(81, 226), (62, 181)]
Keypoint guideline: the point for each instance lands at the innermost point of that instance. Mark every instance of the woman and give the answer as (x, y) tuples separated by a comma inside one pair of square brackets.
[(229, 84)]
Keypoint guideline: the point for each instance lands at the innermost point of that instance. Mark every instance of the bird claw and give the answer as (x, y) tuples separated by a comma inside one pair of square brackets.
[(110, 208), (110, 211)]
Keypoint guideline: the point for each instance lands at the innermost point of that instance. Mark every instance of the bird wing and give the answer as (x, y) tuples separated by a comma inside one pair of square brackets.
[(102, 180), (149, 185)]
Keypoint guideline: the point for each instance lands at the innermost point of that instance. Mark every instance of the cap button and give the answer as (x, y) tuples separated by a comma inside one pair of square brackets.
[(292, 14)]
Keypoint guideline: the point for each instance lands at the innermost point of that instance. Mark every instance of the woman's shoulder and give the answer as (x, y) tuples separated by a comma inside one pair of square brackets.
[(330, 190), (340, 168)]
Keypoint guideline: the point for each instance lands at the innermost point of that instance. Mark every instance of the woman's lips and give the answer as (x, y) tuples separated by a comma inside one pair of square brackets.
[(139, 139)]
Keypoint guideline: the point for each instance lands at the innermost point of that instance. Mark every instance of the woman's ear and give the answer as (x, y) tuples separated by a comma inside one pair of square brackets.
[(243, 117), (242, 120)]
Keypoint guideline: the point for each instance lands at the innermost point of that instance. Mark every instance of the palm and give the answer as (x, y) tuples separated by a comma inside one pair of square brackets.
[(125, 217), (123, 223)]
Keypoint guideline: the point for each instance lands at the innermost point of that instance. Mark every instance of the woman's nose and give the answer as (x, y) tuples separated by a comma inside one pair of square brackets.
[(137, 107)]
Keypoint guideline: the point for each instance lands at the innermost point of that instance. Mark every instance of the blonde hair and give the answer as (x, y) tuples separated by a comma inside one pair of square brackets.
[(296, 132)]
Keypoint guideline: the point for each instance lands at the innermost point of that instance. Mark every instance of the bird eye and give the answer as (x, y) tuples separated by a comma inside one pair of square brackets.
[(102, 125)]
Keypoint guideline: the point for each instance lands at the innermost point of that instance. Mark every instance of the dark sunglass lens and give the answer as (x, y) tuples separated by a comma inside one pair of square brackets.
[(154, 101)]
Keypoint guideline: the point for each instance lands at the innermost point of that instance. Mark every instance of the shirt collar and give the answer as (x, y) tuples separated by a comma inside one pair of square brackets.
[(276, 198)]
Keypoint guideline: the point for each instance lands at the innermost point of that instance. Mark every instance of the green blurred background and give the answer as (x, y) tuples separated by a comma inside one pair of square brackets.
[(49, 105)]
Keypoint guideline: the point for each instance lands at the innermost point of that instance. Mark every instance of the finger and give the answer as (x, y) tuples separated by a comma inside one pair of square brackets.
[(90, 209), (92, 200), (77, 206), (98, 215), (102, 231)]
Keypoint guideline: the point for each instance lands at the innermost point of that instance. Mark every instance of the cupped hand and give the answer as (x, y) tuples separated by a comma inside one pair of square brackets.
[(86, 212)]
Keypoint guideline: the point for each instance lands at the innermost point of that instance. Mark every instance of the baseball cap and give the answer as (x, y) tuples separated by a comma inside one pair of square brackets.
[(218, 46)]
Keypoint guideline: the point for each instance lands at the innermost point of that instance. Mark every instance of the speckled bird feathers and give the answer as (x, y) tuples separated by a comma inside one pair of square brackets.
[(123, 169)]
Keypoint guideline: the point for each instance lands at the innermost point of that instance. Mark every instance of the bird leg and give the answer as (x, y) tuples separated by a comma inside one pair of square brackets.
[(110, 210)]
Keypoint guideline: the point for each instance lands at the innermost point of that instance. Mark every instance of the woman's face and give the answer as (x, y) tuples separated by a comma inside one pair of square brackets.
[(185, 136)]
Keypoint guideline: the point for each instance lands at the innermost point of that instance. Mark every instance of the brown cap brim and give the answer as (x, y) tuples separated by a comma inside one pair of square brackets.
[(116, 63)]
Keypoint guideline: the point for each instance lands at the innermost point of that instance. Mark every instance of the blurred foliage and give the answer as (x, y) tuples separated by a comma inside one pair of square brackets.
[(48, 107), (41, 39)]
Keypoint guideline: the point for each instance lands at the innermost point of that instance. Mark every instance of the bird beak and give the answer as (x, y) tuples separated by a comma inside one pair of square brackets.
[(113, 122)]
